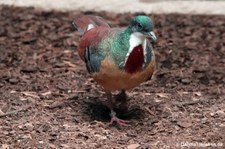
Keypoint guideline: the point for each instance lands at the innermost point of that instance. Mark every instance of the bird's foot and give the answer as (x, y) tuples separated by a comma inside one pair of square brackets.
[(118, 121)]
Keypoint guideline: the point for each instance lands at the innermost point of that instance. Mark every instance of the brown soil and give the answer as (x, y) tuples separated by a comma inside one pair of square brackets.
[(48, 100)]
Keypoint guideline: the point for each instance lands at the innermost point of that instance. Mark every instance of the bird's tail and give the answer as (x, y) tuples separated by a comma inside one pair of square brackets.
[(84, 23)]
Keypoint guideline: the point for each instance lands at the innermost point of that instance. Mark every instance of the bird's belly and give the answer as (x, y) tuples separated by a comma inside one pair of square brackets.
[(112, 78)]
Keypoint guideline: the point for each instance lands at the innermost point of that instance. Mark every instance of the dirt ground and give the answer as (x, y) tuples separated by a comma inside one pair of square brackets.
[(48, 100)]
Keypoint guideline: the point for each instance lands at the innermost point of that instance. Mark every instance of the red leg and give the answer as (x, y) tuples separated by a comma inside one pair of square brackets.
[(114, 118), (121, 100)]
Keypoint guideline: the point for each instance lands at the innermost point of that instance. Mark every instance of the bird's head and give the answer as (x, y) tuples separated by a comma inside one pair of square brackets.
[(143, 25)]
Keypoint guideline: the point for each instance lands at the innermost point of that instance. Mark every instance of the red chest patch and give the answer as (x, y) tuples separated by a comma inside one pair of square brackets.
[(135, 60)]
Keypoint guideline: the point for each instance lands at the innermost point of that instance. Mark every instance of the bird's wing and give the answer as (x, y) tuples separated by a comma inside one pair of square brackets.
[(85, 22), (90, 49), (149, 53), (92, 59)]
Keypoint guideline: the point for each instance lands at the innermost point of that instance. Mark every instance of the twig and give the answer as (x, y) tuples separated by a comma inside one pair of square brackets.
[(13, 112), (57, 105), (79, 91), (149, 111), (185, 103)]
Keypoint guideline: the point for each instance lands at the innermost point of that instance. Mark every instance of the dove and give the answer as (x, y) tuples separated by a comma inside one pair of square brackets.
[(117, 58)]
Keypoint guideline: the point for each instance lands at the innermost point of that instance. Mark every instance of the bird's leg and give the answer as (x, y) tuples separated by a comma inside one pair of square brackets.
[(111, 105), (121, 98)]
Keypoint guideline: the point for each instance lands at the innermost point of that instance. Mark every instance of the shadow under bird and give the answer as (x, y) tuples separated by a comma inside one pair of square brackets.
[(117, 58)]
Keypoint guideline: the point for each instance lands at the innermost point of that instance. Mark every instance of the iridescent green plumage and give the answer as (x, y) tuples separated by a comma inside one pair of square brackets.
[(117, 42), (117, 45)]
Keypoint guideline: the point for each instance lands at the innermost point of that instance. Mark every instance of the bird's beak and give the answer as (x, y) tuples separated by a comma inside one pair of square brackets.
[(152, 35)]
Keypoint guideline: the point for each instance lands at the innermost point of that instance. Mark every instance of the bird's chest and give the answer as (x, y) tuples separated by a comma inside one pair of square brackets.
[(135, 57), (135, 60), (133, 67), (112, 78)]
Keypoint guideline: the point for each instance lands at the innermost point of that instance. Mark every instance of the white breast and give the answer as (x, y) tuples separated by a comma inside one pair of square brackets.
[(135, 40)]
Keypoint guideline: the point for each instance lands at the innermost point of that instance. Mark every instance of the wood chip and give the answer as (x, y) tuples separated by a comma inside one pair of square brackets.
[(31, 94), (69, 63), (1, 112), (12, 91), (4, 146), (13, 112), (133, 146), (149, 111), (183, 124), (163, 95), (198, 93), (46, 93)]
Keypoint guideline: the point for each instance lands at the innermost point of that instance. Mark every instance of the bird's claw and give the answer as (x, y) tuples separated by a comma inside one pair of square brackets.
[(118, 120)]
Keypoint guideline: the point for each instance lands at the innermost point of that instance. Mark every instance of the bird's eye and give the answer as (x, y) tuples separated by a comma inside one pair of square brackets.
[(139, 26)]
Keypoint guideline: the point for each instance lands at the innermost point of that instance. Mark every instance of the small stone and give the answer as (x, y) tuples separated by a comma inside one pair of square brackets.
[(185, 81), (13, 81), (29, 126), (212, 114), (41, 142), (212, 81), (20, 126), (1, 84)]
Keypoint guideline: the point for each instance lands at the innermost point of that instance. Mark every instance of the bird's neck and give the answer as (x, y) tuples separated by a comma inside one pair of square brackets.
[(129, 50), (135, 57)]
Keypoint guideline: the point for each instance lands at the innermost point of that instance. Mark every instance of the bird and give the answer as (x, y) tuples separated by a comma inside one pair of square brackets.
[(118, 58)]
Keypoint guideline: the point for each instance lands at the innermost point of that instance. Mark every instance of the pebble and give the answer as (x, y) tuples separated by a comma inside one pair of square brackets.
[(185, 81), (1, 84), (13, 81)]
